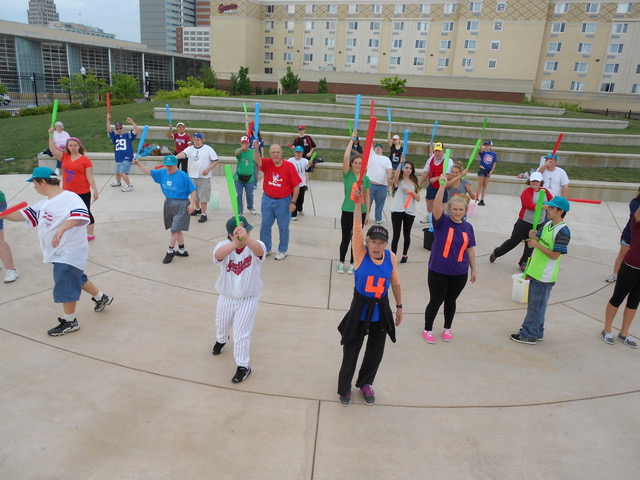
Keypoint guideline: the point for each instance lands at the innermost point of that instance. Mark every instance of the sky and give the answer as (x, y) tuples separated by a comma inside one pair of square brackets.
[(121, 18)]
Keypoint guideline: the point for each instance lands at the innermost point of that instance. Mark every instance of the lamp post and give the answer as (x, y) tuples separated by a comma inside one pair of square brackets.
[(83, 72), (35, 87), (147, 86)]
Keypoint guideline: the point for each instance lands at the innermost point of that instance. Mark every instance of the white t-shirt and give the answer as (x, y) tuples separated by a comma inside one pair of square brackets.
[(378, 167), (239, 272), (554, 181), (199, 160), (400, 199), (301, 167), (48, 215)]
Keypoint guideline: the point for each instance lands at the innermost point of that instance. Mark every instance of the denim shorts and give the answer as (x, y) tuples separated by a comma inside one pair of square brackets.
[(483, 172), (67, 283), (432, 191), (123, 167)]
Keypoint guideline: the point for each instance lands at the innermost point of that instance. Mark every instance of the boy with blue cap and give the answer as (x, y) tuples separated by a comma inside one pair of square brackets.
[(549, 243)]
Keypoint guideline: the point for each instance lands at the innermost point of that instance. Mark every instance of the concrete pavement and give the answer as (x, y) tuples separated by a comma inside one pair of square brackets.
[(136, 393)]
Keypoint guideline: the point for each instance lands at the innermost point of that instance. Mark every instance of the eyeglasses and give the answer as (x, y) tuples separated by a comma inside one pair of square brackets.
[(119, 128)]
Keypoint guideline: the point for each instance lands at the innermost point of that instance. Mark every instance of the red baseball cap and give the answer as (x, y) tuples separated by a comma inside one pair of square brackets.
[(301, 127)]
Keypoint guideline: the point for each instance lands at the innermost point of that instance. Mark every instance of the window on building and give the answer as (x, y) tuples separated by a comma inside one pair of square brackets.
[(350, 58), (501, 6), (268, 56), (354, 8), (421, 44), (376, 9), (449, 8), (547, 84), (585, 47), (611, 67), (470, 44), (424, 8), (268, 40), (374, 26), (308, 42), (268, 70), (635, 88), (554, 47), (311, 9), (333, 8), (423, 26), (400, 8), (328, 58), (607, 87), (620, 28), (308, 57), (497, 26), (330, 25), (493, 63), (615, 48), (397, 43), (550, 66), (447, 26), (467, 63), (291, 9), (288, 41), (352, 25), (561, 8), (445, 44), (270, 8), (589, 27), (495, 45), (374, 42), (288, 57), (581, 67), (473, 25), (329, 42), (443, 62), (624, 7), (637, 69), (475, 7), (394, 61), (418, 61), (592, 8), (397, 26), (289, 25), (557, 27), (351, 42), (372, 60), (269, 25), (308, 25), (577, 86)]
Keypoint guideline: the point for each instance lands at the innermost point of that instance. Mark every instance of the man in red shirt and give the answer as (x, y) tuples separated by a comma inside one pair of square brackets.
[(281, 188)]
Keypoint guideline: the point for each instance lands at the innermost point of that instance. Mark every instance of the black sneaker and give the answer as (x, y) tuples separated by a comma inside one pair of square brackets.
[(64, 327), (181, 254), (168, 257), (345, 400), (217, 348), (404, 259), (492, 257), (481, 203), (102, 303), (203, 218), (196, 212), (367, 394), (241, 374), (517, 338)]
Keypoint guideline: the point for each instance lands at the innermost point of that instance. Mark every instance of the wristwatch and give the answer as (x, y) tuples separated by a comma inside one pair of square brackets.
[(399, 306)]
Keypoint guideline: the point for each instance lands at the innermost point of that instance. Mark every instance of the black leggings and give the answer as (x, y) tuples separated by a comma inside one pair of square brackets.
[(404, 221), (86, 198), (346, 223), (443, 288), (299, 201), (370, 362), (519, 233), (627, 285)]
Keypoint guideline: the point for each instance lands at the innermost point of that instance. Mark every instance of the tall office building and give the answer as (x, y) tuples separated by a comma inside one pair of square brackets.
[(158, 23), (41, 12)]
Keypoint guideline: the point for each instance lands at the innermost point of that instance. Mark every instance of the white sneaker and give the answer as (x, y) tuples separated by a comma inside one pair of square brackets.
[(611, 278), (280, 255), (340, 268), (115, 184), (350, 270), (425, 220), (294, 219), (11, 276), (128, 188), (253, 211)]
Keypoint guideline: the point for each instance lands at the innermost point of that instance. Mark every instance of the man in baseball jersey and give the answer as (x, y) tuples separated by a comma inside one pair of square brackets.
[(123, 149), (239, 285)]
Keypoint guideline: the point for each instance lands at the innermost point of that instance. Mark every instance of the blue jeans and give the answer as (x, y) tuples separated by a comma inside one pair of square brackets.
[(275, 209), (248, 190), (379, 196), (533, 325)]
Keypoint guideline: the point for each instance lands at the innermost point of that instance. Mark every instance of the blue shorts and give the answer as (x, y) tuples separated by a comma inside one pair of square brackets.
[(623, 241), (3, 207), (432, 191), (483, 172), (67, 283), (123, 167)]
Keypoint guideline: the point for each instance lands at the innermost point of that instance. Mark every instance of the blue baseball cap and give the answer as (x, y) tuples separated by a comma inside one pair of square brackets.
[(559, 202), (42, 172), (197, 135), (550, 155), (170, 160), (298, 149)]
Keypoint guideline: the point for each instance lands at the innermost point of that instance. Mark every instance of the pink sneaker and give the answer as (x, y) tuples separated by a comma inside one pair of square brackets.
[(447, 336), (428, 336)]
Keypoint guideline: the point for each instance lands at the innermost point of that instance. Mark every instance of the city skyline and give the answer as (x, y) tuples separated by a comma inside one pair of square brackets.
[(123, 19)]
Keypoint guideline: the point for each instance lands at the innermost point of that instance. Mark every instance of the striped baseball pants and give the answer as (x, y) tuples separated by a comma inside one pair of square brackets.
[(238, 313)]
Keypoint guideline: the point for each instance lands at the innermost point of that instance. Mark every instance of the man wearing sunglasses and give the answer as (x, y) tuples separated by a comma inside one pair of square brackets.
[(123, 149)]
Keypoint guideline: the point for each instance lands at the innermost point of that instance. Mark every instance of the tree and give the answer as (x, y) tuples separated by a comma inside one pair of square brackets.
[(290, 81), (243, 83), (322, 85), (393, 85), (83, 88), (123, 86), (208, 76), (3, 89)]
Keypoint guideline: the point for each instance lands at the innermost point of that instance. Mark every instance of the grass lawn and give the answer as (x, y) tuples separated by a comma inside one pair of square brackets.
[(24, 137)]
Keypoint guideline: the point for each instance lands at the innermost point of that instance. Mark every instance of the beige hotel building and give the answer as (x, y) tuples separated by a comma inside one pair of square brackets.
[(572, 51)]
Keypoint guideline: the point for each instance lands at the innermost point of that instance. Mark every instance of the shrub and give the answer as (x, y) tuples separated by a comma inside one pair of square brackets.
[(393, 85), (290, 82)]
